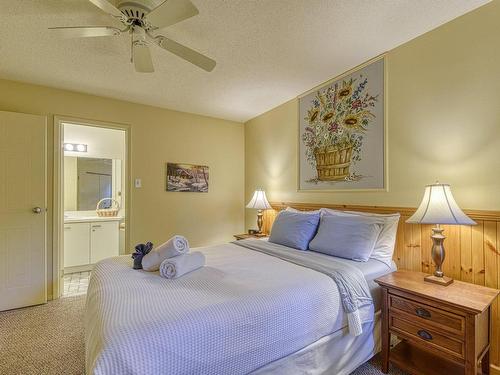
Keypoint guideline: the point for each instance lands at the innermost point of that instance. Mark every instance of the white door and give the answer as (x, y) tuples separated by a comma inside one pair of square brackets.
[(76, 244), (103, 240), (22, 210)]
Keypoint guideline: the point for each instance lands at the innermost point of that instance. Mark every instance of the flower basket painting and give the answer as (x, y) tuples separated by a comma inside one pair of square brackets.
[(187, 178), (341, 140)]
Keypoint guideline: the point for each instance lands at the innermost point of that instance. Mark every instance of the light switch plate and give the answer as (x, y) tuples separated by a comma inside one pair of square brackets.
[(138, 183)]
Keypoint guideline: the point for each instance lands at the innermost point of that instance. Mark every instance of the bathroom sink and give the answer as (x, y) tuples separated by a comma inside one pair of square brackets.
[(81, 217), (90, 218)]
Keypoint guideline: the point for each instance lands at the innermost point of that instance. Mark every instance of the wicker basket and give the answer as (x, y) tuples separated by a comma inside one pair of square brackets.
[(108, 212), (333, 162)]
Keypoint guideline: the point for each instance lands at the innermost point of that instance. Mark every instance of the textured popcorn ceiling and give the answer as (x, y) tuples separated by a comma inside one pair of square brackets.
[(268, 51)]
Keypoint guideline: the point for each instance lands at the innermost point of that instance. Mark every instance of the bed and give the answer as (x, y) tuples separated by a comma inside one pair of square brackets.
[(244, 312)]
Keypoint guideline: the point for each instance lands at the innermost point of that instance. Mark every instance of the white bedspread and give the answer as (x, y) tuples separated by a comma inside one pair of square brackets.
[(241, 311)]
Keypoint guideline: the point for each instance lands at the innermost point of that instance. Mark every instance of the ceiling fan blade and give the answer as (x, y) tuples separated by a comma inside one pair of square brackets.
[(86, 31), (187, 54), (171, 12), (107, 7), (142, 58)]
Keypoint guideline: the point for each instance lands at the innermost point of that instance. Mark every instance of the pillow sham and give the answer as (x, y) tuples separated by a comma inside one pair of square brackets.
[(294, 229), (350, 236), (384, 247), (291, 209)]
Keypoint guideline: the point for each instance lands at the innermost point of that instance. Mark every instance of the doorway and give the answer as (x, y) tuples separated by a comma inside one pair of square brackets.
[(92, 198)]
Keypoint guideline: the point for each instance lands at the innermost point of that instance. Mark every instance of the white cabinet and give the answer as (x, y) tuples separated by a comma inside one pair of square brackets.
[(86, 243), (76, 244), (104, 238)]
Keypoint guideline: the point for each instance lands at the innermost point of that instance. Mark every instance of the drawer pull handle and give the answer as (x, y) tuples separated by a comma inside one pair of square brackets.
[(424, 334), (96, 226), (423, 313)]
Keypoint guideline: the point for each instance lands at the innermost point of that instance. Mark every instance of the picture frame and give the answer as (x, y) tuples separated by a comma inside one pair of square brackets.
[(186, 178), (373, 173)]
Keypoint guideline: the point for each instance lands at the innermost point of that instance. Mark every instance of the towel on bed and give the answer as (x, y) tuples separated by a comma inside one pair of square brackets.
[(141, 250), (175, 267), (177, 245)]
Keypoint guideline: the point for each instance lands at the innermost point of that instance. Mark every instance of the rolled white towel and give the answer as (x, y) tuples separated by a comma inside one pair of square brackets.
[(175, 267), (177, 245)]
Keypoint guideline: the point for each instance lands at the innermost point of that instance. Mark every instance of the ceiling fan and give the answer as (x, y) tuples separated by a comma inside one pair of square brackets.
[(141, 19)]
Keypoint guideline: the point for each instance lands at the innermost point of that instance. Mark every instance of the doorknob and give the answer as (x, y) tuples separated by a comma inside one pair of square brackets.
[(37, 210)]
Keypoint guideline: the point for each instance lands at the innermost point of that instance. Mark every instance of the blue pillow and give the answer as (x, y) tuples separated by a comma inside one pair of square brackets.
[(294, 229), (352, 237)]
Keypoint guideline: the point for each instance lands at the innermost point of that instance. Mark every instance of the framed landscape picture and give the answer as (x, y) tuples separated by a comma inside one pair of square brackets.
[(342, 142), (187, 178)]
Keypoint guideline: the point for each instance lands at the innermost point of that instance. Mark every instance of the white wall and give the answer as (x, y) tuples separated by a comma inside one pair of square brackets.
[(70, 183), (101, 143)]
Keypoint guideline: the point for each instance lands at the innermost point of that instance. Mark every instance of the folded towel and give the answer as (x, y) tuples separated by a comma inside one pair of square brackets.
[(177, 245), (141, 250), (175, 267)]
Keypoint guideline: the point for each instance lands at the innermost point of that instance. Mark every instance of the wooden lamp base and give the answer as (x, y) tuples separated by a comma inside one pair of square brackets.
[(438, 255), (443, 280), (260, 221)]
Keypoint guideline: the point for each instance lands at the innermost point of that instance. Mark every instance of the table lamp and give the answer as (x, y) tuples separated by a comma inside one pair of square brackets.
[(259, 202), (438, 207)]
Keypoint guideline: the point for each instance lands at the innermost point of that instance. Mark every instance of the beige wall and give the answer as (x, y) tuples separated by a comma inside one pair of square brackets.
[(157, 135), (443, 118)]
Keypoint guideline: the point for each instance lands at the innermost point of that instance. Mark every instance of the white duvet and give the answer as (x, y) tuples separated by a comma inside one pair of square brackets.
[(243, 310)]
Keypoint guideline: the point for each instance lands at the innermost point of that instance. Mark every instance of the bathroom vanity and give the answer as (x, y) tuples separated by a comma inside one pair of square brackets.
[(89, 239)]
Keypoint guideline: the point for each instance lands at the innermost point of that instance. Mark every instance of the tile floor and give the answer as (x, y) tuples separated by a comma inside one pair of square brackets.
[(76, 283)]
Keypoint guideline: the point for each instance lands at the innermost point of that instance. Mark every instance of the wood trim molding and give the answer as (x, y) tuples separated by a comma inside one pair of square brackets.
[(404, 211)]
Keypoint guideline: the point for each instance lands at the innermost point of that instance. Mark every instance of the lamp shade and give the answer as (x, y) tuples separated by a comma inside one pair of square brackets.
[(439, 207), (259, 201)]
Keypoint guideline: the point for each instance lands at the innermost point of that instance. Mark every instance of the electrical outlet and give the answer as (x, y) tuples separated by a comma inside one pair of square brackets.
[(138, 183)]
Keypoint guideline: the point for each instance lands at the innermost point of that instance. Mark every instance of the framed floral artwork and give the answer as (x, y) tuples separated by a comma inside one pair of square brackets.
[(342, 132)]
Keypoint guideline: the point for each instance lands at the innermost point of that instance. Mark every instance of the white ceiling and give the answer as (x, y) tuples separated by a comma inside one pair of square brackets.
[(268, 51)]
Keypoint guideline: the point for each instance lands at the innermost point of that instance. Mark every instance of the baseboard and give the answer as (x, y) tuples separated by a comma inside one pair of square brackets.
[(74, 269)]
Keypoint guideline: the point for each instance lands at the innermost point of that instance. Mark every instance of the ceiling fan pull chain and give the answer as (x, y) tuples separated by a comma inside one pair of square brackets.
[(132, 46)]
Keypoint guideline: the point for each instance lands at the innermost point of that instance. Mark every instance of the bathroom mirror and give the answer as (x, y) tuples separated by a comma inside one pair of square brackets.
[(88, 180)]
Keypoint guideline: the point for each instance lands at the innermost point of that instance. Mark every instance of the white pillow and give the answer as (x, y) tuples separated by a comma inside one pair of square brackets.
[(384, 247), (347, 236), (294, 210)]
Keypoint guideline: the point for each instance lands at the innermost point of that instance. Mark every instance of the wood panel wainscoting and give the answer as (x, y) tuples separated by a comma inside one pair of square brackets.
[(472, 252)]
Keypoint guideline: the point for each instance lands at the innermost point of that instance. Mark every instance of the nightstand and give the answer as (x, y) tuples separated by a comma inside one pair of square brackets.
[(244, 236), (444, 329)]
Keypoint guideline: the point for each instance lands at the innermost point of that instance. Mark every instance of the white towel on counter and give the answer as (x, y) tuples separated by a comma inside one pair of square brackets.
[(175, 267), (175, 246)]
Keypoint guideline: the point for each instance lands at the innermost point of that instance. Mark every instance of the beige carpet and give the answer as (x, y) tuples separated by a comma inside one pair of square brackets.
[(48, 340), (43, 340)]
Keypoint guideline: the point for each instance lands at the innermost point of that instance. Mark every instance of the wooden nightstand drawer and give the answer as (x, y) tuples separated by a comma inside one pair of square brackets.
[(426, 336), (422, 312), (444, 329)]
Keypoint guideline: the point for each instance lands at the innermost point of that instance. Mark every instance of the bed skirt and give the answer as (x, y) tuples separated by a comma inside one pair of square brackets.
[(339, 353)]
